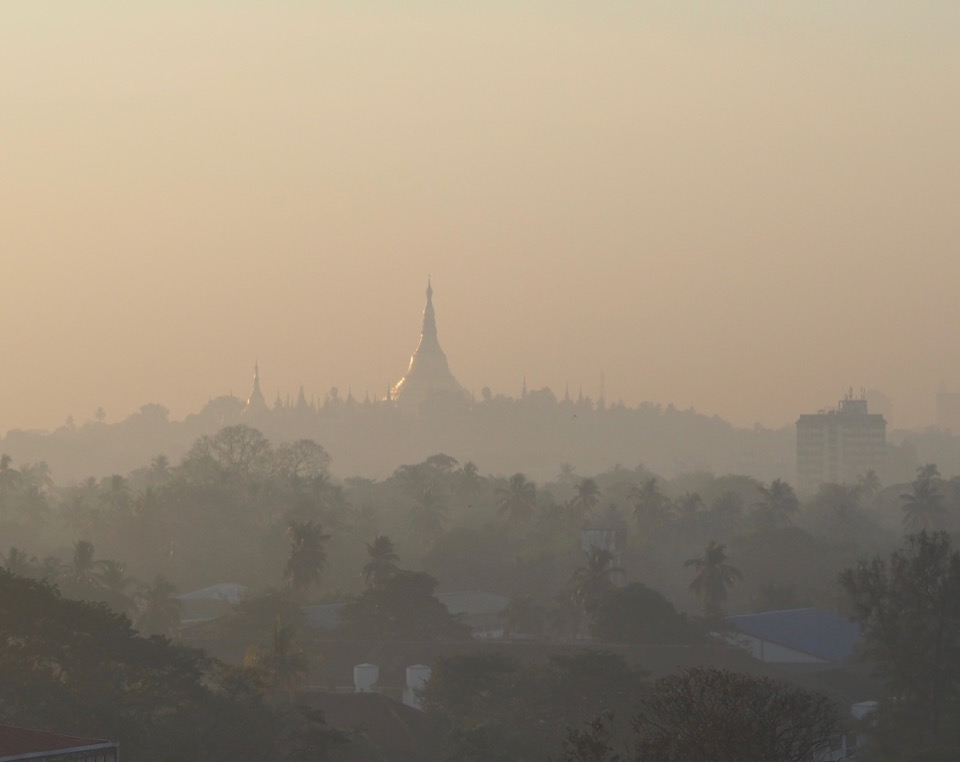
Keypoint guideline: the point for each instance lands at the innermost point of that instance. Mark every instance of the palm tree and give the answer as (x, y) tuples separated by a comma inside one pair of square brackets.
[(689, 506), (778, 503), (923, 506), (160, 610), (566, 475), (79, 578), (160, 468), (651, 507), (518, 500), (725, 510), (383, 561), (18, 562), (586, 499), (593, 581), (307, 558), (714, 576)]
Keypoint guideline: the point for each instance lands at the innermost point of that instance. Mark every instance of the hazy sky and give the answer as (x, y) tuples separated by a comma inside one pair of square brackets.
[(743, 207)]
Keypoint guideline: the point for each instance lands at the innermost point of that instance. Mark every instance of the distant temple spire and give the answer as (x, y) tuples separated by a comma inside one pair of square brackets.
[(429, 330), (429, 374), (255, 402)]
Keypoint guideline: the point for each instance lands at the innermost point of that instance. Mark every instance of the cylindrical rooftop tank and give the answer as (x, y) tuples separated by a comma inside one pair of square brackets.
[(365, 677), (417, 676)]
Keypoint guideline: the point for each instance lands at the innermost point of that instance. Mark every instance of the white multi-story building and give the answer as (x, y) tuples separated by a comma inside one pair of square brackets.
[(839, 446)]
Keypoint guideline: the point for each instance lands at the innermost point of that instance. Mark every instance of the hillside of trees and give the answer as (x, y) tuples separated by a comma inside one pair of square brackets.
[(112, 553), (532, 434)]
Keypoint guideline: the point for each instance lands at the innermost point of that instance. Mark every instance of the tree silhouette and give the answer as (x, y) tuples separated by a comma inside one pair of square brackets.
[(160, 609), (923, 506), (725, 513), (722, 716), (778, 504), (841, 503), (517, 501), (282, 666), (307, 558), (523, 616), (17, 561), (651, 507), (383, 561), (114, 585), (587, 498), (909, 609), (427, 516), (593, 581), (593, 744), (79, 577), (714, 576)]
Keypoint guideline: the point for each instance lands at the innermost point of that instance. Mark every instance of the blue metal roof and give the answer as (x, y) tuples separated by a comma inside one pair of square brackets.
[(811, 630)]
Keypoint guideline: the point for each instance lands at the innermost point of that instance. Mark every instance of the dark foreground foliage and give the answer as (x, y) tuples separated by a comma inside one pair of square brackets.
[(78, 668), (714, 715)]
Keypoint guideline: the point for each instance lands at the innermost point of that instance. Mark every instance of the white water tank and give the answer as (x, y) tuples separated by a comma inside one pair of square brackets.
[(365, 677), (417, 677)]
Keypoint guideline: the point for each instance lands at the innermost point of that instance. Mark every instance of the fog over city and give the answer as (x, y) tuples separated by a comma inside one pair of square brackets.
[(439, 382), (742, 210)]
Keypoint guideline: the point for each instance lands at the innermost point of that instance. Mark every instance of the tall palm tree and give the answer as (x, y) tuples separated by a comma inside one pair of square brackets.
[(79, 577), (383, 561), (689, 506), (517, 501), (566, 475), (308, 557), (651, 507), (923, 506), (777, 504), (593, 581), (714, 576), (725, 510), (160, 610), (587, 498)]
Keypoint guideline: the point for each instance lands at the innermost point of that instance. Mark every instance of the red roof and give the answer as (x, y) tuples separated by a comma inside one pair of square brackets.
[(15, 741)]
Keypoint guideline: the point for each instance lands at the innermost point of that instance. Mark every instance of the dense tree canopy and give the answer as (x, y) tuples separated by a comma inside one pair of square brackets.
[(909, 608), (403, 607), (82, 669), (711, 715)]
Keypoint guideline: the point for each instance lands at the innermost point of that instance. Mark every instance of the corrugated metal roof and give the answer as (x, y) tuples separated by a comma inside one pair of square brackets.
[(473, 602), (811, 630), (230, 592), (16, 742)]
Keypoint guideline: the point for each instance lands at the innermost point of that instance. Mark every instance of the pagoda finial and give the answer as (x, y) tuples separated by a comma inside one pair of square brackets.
[(429, 331), (256, 400)]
